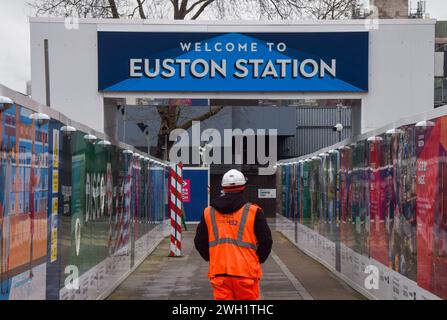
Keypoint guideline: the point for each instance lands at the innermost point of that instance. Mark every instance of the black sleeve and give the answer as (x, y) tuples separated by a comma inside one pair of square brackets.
[(263, 235), (201, 240)]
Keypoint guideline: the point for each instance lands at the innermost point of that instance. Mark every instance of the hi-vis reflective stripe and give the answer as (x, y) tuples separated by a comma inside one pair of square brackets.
[(240, 232), (233, 241)]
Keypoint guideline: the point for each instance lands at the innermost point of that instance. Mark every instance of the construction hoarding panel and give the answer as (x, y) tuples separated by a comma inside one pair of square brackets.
[(76, 213), (377, 202)]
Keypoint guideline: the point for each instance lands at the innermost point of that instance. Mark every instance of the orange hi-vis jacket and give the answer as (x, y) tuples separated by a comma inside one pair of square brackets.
[(232, 242)]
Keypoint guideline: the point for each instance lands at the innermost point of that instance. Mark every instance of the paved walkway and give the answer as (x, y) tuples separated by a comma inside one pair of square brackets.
[(288, 274)]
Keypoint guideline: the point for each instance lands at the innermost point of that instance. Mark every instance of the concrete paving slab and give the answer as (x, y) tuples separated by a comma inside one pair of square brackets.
[(291, 275), (318, 281)]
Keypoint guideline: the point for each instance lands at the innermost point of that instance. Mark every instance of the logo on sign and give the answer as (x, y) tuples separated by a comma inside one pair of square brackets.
[(186, 190), (372, 279)]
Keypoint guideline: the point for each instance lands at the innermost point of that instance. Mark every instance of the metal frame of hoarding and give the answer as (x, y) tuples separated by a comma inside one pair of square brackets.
[(413, 119)]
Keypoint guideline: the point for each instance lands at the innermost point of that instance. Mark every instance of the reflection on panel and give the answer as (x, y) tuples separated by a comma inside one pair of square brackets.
[(76, 213), (381, 201)]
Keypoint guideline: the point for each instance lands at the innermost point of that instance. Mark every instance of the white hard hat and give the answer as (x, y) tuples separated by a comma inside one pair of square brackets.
[(233, 178)]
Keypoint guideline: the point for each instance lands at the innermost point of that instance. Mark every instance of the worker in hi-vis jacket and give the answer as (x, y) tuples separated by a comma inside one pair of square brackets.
[(234, 237)]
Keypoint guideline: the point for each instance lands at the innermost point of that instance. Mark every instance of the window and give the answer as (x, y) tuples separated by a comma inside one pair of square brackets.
[(440, 91)]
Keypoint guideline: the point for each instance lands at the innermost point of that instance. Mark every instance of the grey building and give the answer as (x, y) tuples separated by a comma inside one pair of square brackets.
[(302, 127), (395, 9)]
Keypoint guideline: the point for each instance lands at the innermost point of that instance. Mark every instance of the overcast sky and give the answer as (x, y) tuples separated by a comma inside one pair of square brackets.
[(14, 39)]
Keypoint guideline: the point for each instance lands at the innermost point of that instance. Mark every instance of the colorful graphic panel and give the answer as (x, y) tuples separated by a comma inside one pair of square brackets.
[(381, 202), (76, 213)]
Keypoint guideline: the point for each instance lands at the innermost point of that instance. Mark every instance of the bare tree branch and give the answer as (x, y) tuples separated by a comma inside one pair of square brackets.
[(201, 9), (176, 9), (277, 9), (80, 8), (194, 5), (114, 9), (216, 9), (183, 5), (141, 9)]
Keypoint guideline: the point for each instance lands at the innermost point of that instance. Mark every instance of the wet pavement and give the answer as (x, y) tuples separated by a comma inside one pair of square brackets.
[(288, 274)]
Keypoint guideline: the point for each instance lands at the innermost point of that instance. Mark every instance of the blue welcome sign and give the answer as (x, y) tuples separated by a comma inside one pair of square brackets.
[(233, 62)]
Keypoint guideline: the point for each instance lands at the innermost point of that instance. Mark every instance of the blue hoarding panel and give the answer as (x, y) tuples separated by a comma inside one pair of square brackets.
[(250, 62), (195, 193)]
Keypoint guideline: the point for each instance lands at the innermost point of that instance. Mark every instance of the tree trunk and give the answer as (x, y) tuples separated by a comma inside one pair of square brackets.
[(169, 116), (114, 9), (141, 9)]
